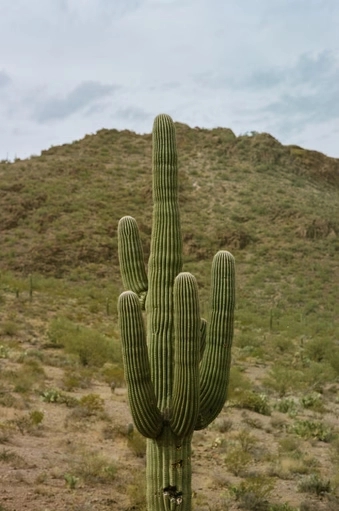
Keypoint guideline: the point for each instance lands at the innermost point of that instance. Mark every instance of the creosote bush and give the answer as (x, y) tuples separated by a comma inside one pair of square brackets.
[(93, 467), (90, 346), (314, 484)]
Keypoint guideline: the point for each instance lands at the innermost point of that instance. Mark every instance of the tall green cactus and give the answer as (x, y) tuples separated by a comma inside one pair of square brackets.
[(177, 374)]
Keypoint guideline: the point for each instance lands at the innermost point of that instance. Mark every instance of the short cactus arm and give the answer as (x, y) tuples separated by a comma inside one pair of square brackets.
[(215, 365), (131, 258), (145, 412), (186, 397)]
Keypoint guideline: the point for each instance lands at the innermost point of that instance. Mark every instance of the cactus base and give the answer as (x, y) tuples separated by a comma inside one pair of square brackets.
[(169, 472)]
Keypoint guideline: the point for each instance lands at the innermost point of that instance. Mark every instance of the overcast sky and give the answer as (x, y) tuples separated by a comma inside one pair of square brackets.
[(72, 67)]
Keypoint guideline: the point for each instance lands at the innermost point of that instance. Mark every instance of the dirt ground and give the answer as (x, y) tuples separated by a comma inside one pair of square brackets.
[(37, 459)]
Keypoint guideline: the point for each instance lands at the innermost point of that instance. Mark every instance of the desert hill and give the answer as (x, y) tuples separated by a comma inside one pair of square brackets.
[(64, 440)]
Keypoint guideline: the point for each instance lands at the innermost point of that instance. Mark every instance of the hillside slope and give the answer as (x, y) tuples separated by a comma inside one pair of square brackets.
[(59, 211), (63, 435)]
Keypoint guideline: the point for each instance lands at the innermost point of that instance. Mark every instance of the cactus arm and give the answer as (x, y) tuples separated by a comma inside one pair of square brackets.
[(131, 258), (215, 365), (145, 413), (185, 405)]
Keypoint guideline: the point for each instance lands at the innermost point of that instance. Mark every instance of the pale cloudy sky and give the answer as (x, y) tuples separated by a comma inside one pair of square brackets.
[(71, 67)]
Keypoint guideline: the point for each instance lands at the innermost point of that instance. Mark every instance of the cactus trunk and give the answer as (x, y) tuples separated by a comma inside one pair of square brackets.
[(168, 472), (171, 392)]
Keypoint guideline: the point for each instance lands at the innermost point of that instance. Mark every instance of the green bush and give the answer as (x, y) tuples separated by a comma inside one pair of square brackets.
[(93, 467), (237, 460), (253, 401), (314, 484), (313, 429), (313, 401), (36, 417), (287, 405), (57, 396), (319, 349), (92, 347), (91, 404), (137, 444), (283, 380), (253, 492)]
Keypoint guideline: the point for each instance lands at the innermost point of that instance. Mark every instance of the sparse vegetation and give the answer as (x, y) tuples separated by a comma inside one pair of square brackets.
[(58, 329), (315, 484), (93, 467)]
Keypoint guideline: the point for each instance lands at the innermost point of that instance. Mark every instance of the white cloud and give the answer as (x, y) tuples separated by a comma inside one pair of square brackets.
[(74, 67)]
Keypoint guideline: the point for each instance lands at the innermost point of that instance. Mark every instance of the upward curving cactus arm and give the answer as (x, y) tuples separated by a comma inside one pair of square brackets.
[(145, 413), (215, 365), (131, 258), (186, 397)]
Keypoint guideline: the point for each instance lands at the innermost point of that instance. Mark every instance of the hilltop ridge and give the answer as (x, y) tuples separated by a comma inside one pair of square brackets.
[(60, 210)]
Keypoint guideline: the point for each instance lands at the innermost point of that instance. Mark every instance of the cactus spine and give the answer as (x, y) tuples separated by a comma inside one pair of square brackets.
[(177, 374)]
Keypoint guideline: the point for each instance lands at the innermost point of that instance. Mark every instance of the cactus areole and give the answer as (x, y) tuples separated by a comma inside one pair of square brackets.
[(177, 370)]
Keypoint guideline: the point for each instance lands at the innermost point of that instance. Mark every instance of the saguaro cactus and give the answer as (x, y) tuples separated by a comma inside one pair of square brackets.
[(177, 374)]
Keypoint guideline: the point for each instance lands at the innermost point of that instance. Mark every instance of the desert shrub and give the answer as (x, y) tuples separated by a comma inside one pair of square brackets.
[(77, 378), (29, 423), (313, 401), (93, 467), (71, 481), (313, 429), (6, 431), (91, 404), (26, 377), (319, 373), (319, 349), (9, 328), (287, 405), (246, 440), (51, 396), (287, 466), (253, 492), (314, 484), (335, 451), (7, 456), (57, 396), (36, 417), (223, 425), (237, 460), (283, 380), (113, 373), (7, 399), (252, 422), (92, 347), (290, 445), (238, 383), (4, 351), (253, 401), (137, 444), (136, 490)]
